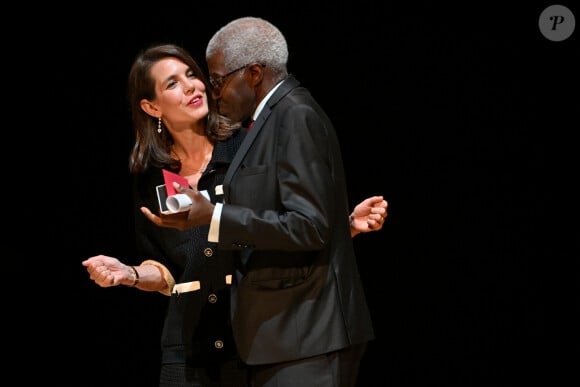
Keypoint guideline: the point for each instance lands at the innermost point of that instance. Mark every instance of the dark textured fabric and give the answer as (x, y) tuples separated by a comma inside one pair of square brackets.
[(197, 329), (226, 374)]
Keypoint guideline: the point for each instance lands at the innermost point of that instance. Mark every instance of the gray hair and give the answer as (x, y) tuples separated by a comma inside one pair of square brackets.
[(248, 40)]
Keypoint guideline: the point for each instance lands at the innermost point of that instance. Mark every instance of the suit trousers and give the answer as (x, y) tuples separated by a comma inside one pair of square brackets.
[(230, 373), (334, 369)]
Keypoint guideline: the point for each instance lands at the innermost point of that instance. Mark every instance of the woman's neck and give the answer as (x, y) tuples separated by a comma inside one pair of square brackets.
[(195, 155)]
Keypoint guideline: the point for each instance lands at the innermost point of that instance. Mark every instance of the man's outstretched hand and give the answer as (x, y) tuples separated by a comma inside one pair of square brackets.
[(199, 213)]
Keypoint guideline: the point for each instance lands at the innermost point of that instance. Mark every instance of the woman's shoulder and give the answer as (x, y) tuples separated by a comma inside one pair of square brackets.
[(232, 143)]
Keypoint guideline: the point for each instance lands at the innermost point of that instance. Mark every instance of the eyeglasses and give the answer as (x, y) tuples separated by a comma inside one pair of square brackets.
[(220, 80)]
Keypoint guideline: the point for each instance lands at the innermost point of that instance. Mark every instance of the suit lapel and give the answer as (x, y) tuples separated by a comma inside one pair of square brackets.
[(288, 85)]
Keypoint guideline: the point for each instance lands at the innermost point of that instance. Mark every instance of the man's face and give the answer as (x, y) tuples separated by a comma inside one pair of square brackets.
[(234, 98)]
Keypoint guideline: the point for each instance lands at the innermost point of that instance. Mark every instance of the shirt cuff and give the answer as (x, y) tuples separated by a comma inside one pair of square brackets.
[(166, 275)]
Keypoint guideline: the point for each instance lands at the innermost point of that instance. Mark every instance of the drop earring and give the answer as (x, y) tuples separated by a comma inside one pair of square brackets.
[(159, 125)]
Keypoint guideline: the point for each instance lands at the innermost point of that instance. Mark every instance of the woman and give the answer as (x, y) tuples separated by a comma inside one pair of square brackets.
[(177, 129)]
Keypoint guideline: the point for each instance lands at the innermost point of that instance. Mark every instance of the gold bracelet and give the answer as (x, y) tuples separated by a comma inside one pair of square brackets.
[(136, 276)]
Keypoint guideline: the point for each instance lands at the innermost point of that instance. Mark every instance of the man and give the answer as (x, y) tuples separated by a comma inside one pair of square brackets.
[(299, 313)]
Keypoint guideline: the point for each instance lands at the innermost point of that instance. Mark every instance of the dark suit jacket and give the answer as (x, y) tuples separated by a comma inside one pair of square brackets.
[(297, 291)]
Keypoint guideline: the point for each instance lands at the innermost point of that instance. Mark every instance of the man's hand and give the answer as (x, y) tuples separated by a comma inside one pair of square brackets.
[(368, 215), (199, 213)]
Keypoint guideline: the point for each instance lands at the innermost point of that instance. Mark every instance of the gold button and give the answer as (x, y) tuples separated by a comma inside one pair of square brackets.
[(208, 252), (212, 298), (218, 344)]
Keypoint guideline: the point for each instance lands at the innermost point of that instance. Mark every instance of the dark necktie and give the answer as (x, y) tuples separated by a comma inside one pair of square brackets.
[(250, 125)]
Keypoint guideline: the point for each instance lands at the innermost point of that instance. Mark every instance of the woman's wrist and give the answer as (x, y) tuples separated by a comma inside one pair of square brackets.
[(135, 276)]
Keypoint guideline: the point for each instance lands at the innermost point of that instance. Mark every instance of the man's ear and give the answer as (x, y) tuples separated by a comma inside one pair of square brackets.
[(150, 108), (256, 72)]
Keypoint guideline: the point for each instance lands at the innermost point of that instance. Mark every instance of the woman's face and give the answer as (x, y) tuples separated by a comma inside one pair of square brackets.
[(180, 96)]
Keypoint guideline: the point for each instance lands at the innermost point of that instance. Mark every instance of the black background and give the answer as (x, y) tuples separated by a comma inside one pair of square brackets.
[(462, 115)]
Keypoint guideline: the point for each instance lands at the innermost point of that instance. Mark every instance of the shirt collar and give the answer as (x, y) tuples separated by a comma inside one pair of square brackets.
[(264, 100)]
